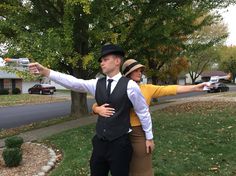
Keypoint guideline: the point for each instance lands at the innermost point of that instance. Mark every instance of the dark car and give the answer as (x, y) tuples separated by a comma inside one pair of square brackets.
[(42, 89), (219, 88), (198, 82)]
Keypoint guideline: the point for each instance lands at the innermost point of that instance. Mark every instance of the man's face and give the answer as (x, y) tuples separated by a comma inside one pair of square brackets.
[(109, 63)]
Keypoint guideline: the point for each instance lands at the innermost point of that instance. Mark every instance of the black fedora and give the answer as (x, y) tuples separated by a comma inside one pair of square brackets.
[(111, 49)]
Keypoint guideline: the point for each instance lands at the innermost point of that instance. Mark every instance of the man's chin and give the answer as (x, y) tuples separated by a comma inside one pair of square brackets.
[(105, 72)]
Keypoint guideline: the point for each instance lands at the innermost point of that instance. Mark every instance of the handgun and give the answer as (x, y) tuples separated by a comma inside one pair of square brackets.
[(19, 61)]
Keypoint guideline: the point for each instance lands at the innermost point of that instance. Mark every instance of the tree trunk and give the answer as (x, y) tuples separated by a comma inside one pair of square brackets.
[(78, 104), (154, 82), (80, 37), (193, 80), (234, 76)]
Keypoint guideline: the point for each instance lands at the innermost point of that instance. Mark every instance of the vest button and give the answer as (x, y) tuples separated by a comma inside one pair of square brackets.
[(104, 130)]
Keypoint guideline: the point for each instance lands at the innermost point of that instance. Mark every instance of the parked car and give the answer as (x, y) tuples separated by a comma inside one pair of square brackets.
[(198, 82), (219, 88), (42, 89)]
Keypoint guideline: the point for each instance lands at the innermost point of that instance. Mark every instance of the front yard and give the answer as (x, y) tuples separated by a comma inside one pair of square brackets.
[(21, 99), (192, 139)]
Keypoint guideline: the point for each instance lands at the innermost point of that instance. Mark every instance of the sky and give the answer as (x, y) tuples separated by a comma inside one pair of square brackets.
[(229, 17)]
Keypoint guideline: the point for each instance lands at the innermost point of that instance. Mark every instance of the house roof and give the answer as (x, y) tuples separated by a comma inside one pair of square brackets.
[(213, 73), (6, 75)]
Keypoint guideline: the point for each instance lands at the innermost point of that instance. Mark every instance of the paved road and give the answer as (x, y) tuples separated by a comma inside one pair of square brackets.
[(19, 115)]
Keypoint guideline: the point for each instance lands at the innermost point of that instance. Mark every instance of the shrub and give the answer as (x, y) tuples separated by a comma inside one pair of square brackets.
[(4, 91), (14, 142), (12, 156), (16, 91)]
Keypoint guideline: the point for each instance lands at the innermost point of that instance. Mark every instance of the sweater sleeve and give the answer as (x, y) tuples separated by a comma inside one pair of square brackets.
[(160, 91)]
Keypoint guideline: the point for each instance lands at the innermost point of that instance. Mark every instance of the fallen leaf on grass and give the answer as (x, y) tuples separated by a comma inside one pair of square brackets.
[(214, 168)]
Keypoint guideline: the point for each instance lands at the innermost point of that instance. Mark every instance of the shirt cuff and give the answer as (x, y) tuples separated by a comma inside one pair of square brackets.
[(149, 135), (51, 74)]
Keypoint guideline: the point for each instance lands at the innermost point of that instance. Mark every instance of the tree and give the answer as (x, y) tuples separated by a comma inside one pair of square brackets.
[(201, 62), (202, 51), (66, 35), (230, 66), (170, 72), (164, 28), (54, 33), (228, 60)]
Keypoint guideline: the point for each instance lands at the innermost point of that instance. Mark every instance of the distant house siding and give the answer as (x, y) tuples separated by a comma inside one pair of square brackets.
[(18, 84), (181, 81), (10, 81), (11, 84)]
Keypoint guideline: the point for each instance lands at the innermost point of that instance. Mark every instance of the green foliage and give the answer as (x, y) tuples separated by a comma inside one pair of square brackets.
[(4, 91), (228, 60), (14, 142), (202, 50), (12, 156), (22, 73), (16, 91), (229, 65), (201, 61)]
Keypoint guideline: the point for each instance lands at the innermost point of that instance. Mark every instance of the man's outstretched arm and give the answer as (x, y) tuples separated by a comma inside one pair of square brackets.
[(68, 81)]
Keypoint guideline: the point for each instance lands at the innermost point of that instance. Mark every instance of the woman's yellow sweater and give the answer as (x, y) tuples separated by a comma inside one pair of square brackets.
[(150, 91)]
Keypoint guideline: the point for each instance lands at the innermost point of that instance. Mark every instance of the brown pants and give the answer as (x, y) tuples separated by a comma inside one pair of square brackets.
[(141, 162)]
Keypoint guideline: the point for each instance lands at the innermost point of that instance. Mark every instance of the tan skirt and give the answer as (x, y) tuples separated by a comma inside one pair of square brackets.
[(141, 162)]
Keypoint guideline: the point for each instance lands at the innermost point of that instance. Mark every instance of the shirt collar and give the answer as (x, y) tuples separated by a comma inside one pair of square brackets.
[(116, 77)]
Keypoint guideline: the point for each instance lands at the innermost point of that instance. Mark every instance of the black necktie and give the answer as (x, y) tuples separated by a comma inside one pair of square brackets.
[(109, 87)]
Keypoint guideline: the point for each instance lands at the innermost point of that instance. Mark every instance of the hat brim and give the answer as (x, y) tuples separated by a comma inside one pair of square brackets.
[(120, 53), (134, 68)]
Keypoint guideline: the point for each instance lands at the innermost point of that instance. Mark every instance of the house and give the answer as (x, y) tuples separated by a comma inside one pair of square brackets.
[(189, 80), (181, 79), (9, 81), (206, 75)]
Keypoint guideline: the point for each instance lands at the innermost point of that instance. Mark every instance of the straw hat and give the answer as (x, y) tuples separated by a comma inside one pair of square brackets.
[(130, 65)]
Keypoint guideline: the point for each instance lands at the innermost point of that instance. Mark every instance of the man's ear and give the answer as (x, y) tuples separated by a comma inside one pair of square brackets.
[(118, 61)]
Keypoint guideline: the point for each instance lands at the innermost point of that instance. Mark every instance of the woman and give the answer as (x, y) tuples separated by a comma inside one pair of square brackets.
[(141, 163)]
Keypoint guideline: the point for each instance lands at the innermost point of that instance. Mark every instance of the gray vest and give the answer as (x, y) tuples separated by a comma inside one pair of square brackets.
[(117, 125)]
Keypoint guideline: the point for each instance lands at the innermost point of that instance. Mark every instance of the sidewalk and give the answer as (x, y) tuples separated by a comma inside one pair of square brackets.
[(41, 133)]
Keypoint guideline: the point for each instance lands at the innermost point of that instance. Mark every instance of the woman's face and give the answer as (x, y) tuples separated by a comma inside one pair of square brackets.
[(136, 75)]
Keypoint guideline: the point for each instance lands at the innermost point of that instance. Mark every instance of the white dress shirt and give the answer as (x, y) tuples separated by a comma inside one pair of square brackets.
[(133, 91)]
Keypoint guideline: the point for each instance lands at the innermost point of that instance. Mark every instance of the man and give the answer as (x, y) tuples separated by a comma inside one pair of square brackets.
[(112, 149)]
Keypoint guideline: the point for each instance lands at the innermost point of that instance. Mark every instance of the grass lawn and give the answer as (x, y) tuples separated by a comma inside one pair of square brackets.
[(194, 139), (229, 94), (12, 100)]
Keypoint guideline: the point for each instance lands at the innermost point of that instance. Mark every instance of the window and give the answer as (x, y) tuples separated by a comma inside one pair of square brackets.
[(1, 84), (13, 83)]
